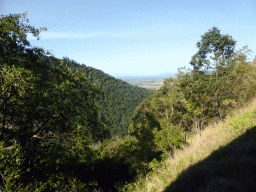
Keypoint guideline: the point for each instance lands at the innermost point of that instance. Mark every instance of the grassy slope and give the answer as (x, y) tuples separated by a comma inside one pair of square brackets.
[(223, 159)]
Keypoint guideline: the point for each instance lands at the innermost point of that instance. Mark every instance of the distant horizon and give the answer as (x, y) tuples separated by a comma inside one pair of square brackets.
[(159, 76), (147, 75)]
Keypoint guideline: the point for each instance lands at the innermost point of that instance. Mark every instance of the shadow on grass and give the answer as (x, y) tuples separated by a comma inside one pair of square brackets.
[(230, 168)]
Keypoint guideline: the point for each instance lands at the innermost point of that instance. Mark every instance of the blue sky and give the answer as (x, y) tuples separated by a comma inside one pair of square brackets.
[(134, 37)]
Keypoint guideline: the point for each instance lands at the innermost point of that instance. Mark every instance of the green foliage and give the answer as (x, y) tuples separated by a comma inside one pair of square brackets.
[(117, 99), (36, 171), (168, 139), (192, 100), (47, 115), (116, 162), (213, 42), (52, 111)]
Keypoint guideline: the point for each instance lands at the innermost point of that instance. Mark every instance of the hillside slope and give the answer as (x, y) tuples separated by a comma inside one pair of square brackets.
[(166, 121), (117, 100), (222, 159)]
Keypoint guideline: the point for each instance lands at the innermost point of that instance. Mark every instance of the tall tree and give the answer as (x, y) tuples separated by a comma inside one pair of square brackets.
[(222, 46)]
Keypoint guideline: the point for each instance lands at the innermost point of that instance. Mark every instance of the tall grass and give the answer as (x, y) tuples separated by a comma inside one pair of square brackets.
[(223, 159)]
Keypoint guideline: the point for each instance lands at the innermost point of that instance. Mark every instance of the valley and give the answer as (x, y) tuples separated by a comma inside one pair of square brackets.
[(154, 84), (149, 82)]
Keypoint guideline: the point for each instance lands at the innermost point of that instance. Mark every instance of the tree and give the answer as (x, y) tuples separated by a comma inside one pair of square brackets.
[(222, 46), (194, 90), (241, 89), (46, 113)]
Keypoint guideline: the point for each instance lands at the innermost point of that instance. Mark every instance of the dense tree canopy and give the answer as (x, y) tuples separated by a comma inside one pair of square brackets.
[(43, 110), (117, 99), (52, 111)]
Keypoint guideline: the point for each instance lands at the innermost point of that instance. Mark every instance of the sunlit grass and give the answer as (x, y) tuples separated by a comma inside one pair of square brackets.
[(214, 139)]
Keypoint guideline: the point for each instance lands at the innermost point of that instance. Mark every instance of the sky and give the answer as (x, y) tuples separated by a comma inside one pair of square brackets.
[(134, 37)]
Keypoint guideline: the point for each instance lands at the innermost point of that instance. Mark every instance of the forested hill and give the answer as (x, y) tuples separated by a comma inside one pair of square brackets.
[(118, 100)]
